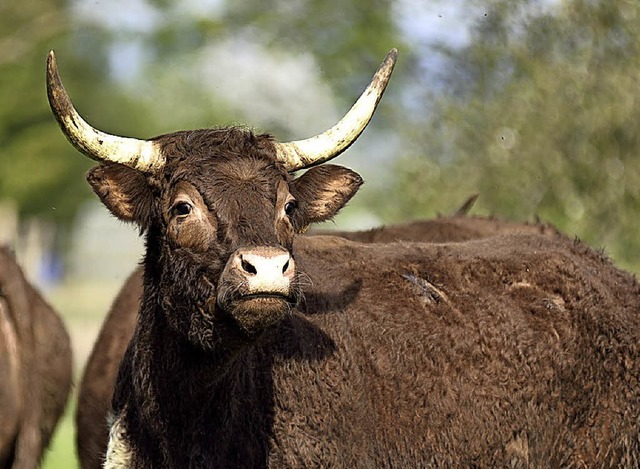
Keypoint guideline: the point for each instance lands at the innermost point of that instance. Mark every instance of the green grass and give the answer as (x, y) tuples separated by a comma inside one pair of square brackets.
[(83, 306), (61, 453)]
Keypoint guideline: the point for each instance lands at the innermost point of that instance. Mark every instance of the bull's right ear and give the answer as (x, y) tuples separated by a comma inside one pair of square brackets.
[(321, 192), (124, 191)]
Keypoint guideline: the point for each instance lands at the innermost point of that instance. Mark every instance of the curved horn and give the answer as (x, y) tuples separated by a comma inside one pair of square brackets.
[(142, 155), (315, 150)]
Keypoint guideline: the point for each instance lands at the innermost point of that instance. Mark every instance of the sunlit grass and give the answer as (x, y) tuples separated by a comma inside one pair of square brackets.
[(61, 453)]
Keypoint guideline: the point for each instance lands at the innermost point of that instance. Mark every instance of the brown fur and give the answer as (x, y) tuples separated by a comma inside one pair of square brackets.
[(35, 365), (443, 230), (514, 350), (97, 384)]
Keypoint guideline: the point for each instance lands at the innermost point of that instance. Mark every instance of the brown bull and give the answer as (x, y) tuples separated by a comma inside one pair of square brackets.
[(98, 381), (35, 368), (256, 347)]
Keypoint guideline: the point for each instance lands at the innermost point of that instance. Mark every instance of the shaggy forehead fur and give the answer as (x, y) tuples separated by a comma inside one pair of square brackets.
[(186, 151)]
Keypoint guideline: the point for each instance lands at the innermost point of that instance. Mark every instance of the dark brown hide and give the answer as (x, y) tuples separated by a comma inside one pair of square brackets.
[(100, 373), (443, 230), (517, 350), (512, 351), (35, 366), (97, 384)]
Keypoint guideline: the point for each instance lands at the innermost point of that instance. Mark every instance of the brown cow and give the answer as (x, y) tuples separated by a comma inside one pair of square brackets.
[(255, 347), (98, 381), (35, 368)]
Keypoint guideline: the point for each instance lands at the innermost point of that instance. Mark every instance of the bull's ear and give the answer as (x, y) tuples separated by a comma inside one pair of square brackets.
[(124, 191), (321, 192)]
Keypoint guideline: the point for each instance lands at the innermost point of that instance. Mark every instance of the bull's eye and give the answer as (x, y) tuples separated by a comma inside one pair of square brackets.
[(181, 209), (289, 207)]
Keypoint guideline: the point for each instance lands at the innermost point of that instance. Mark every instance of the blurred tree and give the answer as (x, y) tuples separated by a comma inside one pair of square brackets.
[(39, 171), (30, 173), (540, 115), (347, 39), (136, 68)]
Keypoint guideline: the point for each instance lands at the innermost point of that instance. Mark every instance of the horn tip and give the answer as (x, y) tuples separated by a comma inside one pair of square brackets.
[(392, 55), (52, 65)]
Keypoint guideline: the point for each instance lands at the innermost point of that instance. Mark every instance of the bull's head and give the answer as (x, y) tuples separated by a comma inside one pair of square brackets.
[(220, 209)]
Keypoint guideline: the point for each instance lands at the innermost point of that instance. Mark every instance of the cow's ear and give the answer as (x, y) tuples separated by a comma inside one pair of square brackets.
[(321, 192), (124, 191)]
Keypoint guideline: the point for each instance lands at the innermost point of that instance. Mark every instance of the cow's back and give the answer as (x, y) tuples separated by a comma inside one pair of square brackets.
[(539, 335), (442, 230)]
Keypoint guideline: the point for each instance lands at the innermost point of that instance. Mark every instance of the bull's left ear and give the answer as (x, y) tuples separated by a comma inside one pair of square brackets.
[(321, 192), (124, 191)]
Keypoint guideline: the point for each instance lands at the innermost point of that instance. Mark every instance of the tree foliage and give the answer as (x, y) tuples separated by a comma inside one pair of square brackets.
[(26, 136), (346, 38), (39, 170), (541, 118), (161, 91)]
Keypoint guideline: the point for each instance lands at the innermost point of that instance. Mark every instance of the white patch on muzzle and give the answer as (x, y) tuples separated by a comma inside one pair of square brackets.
[(266, 270)]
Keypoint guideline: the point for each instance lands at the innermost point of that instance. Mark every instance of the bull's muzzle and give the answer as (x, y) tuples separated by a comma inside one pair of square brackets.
[(264, 270), (260, 286)]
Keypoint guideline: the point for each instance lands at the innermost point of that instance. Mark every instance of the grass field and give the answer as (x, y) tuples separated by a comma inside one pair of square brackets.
[(61, 453), (83, 306)]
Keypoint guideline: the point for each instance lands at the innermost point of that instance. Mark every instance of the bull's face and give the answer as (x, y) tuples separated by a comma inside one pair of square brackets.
[(221, 220), (220, 210)]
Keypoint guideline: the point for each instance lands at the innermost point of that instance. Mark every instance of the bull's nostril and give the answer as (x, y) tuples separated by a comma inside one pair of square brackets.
[(248, 267), (285, 267)]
